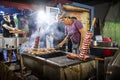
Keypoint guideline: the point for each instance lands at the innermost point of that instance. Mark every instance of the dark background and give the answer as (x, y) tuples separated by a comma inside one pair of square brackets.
[(88, 2)]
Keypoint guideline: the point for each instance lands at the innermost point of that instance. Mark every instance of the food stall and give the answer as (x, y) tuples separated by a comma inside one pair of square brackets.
[(57, 66)]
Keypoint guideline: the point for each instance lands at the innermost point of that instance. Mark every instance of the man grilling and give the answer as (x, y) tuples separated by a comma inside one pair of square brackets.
[(8, 25)]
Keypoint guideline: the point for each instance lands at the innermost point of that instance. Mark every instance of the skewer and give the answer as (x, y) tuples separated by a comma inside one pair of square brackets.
[(18, 32)]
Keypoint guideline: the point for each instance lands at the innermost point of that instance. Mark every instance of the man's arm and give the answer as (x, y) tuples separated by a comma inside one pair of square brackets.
[(8, 27), (64, 41)]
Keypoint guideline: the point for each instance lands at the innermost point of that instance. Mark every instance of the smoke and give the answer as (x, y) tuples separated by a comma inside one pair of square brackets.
[(48, 26), (24, 47)]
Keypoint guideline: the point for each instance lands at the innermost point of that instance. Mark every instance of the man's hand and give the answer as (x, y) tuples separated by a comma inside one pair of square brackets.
[(64, 41), (15, 29), (61, 44)]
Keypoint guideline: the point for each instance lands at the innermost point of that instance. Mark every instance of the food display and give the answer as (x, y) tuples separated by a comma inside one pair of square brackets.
[(41, 51), (37, 39), (85, 46), (86, 43)]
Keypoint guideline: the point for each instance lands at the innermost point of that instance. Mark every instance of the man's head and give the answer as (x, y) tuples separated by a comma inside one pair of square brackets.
[(6, 15), (65, 18)]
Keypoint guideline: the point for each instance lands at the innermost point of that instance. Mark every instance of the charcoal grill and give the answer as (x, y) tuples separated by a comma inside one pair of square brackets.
[(56, 66)]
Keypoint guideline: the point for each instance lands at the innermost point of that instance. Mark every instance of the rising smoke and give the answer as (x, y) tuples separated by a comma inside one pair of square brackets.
[(48, 27)]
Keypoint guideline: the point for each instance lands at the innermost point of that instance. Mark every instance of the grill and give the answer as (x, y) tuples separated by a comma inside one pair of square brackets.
[(11, 42), (46, 65)]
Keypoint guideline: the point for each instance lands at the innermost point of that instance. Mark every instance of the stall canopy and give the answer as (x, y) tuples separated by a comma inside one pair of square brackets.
[(17, 5)]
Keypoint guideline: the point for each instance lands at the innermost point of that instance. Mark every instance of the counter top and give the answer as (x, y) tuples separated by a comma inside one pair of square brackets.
[(104, 47), (63, 61)]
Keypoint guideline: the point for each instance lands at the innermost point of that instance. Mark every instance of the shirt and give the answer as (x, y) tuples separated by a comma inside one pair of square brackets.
[(73, 31), (5, 31)]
